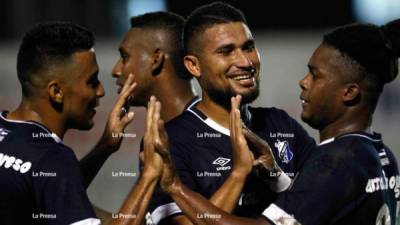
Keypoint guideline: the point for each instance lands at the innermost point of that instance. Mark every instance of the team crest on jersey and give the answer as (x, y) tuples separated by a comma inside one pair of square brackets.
[(3, 133), (285, 153), (221, 162)]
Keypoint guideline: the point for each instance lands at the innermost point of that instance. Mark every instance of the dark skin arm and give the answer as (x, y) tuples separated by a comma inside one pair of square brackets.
[(108, 143), (134, 208)]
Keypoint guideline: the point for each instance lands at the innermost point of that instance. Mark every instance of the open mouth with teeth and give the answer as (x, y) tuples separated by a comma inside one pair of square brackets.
[(244, 80), (242, 77), (303, 101)]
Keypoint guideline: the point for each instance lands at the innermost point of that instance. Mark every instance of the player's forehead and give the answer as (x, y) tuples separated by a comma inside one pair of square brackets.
[(134, 38), (327, 59), (85, 63), (235, 33)]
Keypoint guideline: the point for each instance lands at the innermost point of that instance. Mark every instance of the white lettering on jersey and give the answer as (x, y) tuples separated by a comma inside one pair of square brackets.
[(14, 163), (384, 183)]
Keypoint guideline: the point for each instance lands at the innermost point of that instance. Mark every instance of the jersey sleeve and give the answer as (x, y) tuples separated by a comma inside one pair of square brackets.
[(59, 191), (321, 188), (162, 205)]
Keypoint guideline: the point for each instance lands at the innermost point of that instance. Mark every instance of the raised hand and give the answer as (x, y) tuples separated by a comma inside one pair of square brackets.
[(119, 117), (260, 148), (243, 158), (265, 165), (153, 164)]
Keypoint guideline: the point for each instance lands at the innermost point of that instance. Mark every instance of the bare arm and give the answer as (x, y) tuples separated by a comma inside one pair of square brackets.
[(110, 140), (201, 212), (228, 194), (135, 206)]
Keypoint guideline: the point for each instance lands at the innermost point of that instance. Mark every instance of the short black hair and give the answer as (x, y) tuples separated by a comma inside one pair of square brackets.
[(207, 16), (46, 44), (375, 49), (171, 23)]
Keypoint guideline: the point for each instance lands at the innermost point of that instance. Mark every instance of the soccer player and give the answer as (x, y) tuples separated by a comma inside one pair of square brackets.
[(41, 181), (152, 50), (221, 54), (353, 178)]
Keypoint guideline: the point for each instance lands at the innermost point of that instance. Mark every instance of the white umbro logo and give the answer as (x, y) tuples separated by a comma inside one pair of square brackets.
[(221, 161)]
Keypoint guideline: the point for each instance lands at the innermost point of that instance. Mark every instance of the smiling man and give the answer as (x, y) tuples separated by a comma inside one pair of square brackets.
[(221, 54)]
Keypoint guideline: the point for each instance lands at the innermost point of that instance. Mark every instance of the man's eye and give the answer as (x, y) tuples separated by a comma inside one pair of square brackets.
[(94, 81), (224, 51), (123, 56), (249, 48)]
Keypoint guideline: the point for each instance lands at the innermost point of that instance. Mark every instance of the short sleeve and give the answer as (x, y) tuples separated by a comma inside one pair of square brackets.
[(59, 191)]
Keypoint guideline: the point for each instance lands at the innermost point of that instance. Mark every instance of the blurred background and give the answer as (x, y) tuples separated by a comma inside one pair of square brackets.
[(286, 32)]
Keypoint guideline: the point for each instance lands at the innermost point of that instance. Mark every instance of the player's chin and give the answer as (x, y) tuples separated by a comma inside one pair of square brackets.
[(248, 95), (308, 119), (306, 116), (87, 125)]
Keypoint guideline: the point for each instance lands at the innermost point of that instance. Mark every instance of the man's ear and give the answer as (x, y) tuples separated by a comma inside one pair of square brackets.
[(158, 62), (192, 65), (55, 92), (351, 93)]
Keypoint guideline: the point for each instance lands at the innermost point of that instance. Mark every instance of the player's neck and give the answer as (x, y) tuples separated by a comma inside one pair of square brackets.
[(346, 124), (173, 99), (214, 111), (40, 113)]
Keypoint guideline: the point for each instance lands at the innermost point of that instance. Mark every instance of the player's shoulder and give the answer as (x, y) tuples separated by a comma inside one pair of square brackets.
[(31, 140), (358, 147), (183, 125)]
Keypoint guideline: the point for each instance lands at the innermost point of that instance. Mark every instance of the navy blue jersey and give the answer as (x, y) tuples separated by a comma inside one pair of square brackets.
[(40, 180), (202, 153), (352, 179)]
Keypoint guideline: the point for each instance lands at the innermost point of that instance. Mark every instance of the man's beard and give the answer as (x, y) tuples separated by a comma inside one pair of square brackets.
[(223, 97)]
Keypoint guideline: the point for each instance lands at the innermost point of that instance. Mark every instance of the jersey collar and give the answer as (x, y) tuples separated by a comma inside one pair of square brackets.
[(374, 137), (3, 116), (208, 121)]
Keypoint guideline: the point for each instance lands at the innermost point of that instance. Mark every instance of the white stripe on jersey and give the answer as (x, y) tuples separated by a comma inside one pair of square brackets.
[(53, 135), (163, 211), (278, 216)]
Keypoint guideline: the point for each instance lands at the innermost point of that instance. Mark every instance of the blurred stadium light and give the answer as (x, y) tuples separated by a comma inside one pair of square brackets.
[(123, 10), (376, 11)]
